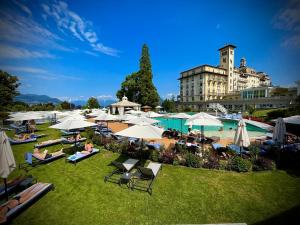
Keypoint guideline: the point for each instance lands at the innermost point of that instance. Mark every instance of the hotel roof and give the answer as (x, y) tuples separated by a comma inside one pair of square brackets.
[(226, 46)]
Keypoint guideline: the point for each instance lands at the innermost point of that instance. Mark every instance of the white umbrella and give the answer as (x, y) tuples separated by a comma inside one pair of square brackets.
[(241, 137), (26, 116), (203, 119), (126, 117), (72, 117), (292, 119), (106, 117), (142, 130), (152, 114), (180, 116), (72, 124), (279, 131), (7, 160), (139, 120)]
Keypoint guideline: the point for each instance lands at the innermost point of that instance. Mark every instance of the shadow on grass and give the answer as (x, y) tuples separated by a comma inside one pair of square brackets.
[(290, 216)]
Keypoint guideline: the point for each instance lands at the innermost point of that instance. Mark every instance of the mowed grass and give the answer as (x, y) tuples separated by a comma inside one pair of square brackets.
[(180, 194)]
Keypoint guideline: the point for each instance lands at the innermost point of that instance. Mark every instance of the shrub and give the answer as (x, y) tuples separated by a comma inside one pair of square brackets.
[(192, 160), (180, 148), (167, 157), (89, 132), (114, 147), (240, 165), (212, 163), (154, 156), (262, 163), (223, 165), (176, 162), (254, 151)]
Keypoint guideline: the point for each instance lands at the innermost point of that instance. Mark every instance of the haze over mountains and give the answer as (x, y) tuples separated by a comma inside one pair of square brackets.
[(36, 99)]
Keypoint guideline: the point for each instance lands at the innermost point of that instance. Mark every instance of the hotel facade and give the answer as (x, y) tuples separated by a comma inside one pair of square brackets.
[(223, 84)]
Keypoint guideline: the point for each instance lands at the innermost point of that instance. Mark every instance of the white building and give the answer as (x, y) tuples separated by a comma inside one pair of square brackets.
[(204, 83)]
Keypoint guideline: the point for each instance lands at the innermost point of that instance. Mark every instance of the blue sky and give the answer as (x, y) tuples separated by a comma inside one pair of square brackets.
[(78, 49)]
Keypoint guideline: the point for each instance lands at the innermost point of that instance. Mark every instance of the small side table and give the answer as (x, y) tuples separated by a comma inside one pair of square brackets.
[(125, 179)]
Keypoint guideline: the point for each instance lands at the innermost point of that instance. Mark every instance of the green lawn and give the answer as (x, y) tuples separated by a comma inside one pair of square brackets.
[(180, 194), (262, 112)]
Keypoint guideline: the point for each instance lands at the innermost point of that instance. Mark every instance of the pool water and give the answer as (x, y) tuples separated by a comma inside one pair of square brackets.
[(174, 123)]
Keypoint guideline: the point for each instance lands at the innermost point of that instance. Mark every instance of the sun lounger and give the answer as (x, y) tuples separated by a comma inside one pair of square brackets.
[(37, 135), (66, 141), (154, 146), (48, 143), (216, 146), (78, 156), (121, 168), (16, 142), (66, 133), (35, 192), (148, 173), (32, 160), (17, 184), (237, 148)]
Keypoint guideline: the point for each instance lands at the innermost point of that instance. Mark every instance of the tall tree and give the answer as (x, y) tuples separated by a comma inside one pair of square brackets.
[(149, 95), (130, 88), (93, 103), (139, 87), (8, 88)]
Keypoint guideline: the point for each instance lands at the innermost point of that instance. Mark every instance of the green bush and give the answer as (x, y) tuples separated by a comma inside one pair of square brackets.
[(277, 113), (264, 164), (192, 160), (114, 147), (154, 156), (89, 132), (223, 165), (254, 151), (240, 165), (180, 148), (176, 162)]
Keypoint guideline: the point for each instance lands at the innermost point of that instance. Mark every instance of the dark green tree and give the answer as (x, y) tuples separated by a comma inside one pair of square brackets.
[(138, 86), (8, 88), (130, 88), (93, 103), (148, 92), (169, 105), (67, 105)]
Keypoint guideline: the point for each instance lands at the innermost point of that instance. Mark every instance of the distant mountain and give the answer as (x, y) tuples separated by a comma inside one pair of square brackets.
[(36, 99), (103, 103)]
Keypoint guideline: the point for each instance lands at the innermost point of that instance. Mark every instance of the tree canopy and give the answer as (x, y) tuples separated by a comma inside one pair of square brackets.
[(93, 103), (138, 86), (8, 88)]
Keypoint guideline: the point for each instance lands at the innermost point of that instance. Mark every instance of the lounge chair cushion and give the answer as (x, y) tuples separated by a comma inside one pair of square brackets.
[(79, 155), (130, 163), (155, 167), (216, 146)]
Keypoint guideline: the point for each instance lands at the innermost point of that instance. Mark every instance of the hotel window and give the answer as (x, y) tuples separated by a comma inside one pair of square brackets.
[(224, 60)]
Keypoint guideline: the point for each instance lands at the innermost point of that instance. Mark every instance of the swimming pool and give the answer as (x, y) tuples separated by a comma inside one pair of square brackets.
[(174, 123)]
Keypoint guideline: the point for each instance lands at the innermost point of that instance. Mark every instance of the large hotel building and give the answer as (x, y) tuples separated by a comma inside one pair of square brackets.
[(226, 84)]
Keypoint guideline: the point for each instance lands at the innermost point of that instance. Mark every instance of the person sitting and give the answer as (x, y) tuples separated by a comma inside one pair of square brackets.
[(78, 137), (221, 129), (22, 137), (44, 155), (88, 147), (71, 139)]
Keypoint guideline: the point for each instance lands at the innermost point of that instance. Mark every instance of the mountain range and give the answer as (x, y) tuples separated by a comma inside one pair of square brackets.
[(36, 99)]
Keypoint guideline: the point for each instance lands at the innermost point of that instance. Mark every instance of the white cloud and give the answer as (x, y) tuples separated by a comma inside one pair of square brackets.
[(19, 29), (68, 20), (38, 73), (106, 97), (24, 8), (170, 95), (288, 19), (13, 52)]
